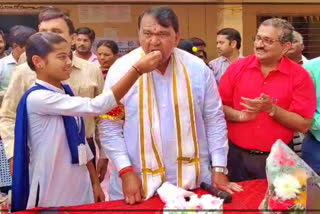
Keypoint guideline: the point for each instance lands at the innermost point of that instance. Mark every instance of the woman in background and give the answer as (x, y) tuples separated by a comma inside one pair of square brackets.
[(107, 53)]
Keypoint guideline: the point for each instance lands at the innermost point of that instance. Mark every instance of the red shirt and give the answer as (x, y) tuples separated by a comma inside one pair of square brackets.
[(290, 87)]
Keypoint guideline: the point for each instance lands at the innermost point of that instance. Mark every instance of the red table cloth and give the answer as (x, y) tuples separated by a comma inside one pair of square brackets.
[(246, 201)]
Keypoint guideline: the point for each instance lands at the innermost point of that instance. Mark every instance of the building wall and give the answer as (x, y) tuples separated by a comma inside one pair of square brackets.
[(250, 12), (199, 20), (195, 21)]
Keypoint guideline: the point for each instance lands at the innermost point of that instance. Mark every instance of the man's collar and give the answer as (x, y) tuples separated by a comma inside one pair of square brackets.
[(11, 59), (282, 66), (76, 61), (226, 59), (300, 62)]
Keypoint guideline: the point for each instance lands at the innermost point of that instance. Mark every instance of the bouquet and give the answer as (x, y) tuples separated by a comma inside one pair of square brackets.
[(175, 201), (287, 176)]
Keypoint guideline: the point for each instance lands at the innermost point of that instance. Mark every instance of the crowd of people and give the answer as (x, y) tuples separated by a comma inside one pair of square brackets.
[(186, 119)]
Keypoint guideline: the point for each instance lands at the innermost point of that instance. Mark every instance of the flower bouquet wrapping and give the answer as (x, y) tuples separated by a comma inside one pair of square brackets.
[(287, 176), (175, 201)]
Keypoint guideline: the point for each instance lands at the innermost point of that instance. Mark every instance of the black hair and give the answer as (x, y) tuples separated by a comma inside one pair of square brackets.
[(19, 35), (186, 45), (198, 42), (165, 16), (110, 44), (2, 34), (54, 13), (232, 35), (47, 11), (204, 53), (41, 44), (86, 31)]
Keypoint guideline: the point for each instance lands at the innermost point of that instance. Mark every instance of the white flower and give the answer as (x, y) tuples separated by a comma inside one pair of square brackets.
[(286, 186)]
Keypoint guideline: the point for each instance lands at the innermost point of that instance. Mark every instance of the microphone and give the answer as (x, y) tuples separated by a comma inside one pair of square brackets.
[(214, 191)]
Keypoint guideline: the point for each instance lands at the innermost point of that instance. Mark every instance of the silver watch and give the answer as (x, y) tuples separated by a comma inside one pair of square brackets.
[(224, 170)]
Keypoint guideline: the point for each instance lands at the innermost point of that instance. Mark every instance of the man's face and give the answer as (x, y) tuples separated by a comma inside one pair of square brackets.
[(267, 45), (296, 49), (2, 45), (58, 26), (83, 44), (19, 50), (153, 36), (224, 47)]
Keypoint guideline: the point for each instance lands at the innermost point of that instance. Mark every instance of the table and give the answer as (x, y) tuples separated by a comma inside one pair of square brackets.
[(242, 202)]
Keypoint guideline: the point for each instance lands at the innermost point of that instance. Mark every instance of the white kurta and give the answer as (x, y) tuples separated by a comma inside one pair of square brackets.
[(123, 149), (60, 183)]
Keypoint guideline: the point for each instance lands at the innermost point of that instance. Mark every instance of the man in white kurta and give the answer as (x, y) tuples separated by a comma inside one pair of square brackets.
[(174, 127), (60, 183), (123, 149)]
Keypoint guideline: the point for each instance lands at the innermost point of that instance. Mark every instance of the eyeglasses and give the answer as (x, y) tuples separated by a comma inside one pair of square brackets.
[(295, 41), (265, 40)]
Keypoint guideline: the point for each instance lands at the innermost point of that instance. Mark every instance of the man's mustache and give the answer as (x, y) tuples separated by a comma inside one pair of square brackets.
[(261, 49)]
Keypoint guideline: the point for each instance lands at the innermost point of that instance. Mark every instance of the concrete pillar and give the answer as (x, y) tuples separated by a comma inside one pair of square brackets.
[(230, 15)]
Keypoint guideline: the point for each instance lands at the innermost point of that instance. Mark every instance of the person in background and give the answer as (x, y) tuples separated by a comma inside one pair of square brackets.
[(17, 39), (202, 54), (228, 46), (187, 46), (200, 51), (2, 45), (83, 44), (199, 43), (310, 149), (107, 53), (295, 52)]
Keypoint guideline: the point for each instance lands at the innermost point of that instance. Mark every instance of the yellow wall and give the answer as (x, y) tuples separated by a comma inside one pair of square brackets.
[(195, 21), (200, 20)]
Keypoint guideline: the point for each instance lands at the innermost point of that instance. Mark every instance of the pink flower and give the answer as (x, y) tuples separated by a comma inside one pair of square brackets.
[(275, 204), (199, 207), (282, 159)]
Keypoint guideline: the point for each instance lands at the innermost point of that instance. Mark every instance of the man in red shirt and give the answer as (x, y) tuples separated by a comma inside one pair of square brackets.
[(266, 97)]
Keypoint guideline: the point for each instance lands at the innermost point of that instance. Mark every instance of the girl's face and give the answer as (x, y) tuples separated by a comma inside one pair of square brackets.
[(56, 66)]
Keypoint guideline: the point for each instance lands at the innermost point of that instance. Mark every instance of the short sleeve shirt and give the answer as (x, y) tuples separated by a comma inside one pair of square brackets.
[(289, 87)]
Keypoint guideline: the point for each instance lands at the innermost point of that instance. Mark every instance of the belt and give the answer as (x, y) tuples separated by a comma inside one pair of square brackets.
[(257, 152), (252, 151)]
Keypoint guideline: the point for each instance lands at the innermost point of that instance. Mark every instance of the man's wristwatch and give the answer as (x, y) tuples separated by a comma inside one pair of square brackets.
[(221, 169)]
